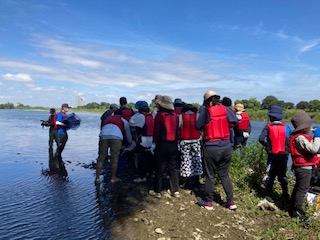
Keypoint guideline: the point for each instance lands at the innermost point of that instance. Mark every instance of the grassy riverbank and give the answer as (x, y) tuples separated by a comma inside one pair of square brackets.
[(247, 170)]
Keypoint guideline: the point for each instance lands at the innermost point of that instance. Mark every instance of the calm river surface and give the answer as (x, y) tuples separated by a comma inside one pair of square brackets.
[(34, 205)]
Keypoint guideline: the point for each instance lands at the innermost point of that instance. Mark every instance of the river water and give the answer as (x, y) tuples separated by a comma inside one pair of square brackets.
[(34, 205)]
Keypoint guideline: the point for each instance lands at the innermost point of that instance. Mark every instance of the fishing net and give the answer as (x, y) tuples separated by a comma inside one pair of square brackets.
[(72, 121)]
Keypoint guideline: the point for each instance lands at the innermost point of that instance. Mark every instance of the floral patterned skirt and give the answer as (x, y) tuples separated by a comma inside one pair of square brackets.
[(191, 164)]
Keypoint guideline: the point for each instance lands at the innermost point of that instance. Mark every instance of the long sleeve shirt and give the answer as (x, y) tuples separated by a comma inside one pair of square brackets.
[(204, 118)]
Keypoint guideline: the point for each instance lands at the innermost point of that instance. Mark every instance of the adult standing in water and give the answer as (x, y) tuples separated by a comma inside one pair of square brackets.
[(62, 130)]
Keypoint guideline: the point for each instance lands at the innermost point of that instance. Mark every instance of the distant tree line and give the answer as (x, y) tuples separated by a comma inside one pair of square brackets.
[(252, 103)]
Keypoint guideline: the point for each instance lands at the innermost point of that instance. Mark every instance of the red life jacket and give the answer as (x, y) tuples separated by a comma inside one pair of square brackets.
[(178, 110), (243, 124), (278, 137), (171, 124), (126, 113), (52, 121), (218, 127), (188, 130), (116, 120), (147, 129), (302, 157)]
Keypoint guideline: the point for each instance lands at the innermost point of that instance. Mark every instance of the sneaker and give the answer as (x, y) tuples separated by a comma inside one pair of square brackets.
[(154, 194), (231, 205), (206, 204), (139, 180), (175, 194)]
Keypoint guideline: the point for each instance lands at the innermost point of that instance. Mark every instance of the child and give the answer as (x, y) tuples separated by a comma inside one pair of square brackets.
[(274, 137), (304, 157)]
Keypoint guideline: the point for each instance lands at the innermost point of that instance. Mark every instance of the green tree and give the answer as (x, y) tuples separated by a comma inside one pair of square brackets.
[(302, 105), (288, 105), (268, 101), (314, 105), (6, 105)]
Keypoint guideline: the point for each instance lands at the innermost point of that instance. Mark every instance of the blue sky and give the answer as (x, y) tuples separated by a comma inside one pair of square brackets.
[(52, 51)]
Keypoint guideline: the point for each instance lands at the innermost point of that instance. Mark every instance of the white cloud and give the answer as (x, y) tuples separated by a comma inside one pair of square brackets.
[(310, 46), (20, 77)]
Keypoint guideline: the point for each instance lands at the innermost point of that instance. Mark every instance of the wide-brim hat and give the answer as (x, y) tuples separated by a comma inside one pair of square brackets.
[(209, 94), (166, 102), (301, 121), (276, 112), (156, 98), (239, 107), (178, 102)]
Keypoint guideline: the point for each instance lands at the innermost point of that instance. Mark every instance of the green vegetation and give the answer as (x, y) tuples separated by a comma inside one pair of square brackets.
[(247, 169), (256, 110)]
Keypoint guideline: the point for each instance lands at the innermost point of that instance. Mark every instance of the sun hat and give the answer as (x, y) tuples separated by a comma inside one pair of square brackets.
[(178, 102), (166, 102), (209, 94), (301, 121), (156, 98), (114, 105), (276, 112), (189, 107), (239, 107)]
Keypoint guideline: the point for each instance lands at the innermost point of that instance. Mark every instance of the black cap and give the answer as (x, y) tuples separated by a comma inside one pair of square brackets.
[(65, 105)]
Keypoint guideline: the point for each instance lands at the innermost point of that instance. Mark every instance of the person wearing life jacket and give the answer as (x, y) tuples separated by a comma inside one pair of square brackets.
[(227, 102), (190, 147), (165, 147), (53, 133), (114, 130), (156, 105), (304, 151), (62, 130), (144, 125), (214, 121), (109, 112), (275, 137), (242, 130), (125, 111), (178, 105)]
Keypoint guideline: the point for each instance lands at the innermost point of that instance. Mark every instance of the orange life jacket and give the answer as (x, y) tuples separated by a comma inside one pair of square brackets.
[(218, 127)]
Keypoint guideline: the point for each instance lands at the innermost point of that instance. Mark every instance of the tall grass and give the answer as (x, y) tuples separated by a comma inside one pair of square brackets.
[(247, 168)]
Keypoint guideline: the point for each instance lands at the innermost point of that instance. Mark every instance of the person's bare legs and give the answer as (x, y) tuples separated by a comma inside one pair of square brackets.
[(98, 170)]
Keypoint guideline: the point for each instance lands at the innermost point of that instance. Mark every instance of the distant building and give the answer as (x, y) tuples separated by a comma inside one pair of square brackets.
[(80, 101)]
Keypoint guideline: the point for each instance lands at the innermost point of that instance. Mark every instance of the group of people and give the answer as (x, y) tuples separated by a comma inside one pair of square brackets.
[(176, 139), (183, 142), (280, 141)]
